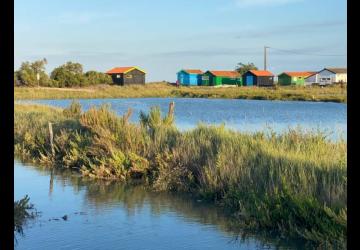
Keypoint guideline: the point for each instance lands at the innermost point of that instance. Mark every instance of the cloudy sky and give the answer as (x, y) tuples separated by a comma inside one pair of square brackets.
[(164, 36)]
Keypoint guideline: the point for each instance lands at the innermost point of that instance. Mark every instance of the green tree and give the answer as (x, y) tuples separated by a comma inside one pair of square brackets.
[(94, 77), (243, 68), (68, 75), (27, 73), (16, 79)]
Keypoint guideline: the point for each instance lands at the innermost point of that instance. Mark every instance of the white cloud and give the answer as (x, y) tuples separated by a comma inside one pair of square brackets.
[(247, 3)]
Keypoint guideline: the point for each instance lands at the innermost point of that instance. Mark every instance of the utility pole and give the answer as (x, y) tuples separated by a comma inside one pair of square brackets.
[(265, 57)]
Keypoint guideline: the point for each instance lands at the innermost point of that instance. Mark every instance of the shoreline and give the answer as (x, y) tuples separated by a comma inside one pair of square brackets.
[(163, 90)]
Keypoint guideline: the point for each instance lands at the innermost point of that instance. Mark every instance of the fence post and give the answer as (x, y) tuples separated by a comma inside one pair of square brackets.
[(51, 139), (127, 115), (171, 109)]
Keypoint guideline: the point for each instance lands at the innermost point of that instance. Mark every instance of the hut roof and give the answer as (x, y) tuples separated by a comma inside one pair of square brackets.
[(225, 73), (193, 71), (120, 70), (261, 72), (298, 73), (337, 70)]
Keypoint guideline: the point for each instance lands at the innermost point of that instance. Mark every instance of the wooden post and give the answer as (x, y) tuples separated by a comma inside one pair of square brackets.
[(127, 115), (171, 109), (51, 139)]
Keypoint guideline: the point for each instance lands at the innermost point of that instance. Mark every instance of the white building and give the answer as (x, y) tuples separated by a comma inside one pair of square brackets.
[(328, 76), (311, 79)]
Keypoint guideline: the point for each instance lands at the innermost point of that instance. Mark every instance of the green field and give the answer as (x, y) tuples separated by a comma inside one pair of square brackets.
[(300, 93), (294, 184)]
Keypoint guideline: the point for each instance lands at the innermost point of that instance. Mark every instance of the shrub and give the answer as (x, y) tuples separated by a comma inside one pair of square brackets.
[(74, 110), (27, 74), (93, 77), (69, 75)]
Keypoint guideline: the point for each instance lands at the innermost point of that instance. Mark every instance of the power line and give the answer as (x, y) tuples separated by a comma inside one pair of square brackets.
[(299, 53)]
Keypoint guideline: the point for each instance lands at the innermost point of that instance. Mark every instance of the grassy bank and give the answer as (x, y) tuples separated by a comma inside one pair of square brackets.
[(292, 184), (329, 94)]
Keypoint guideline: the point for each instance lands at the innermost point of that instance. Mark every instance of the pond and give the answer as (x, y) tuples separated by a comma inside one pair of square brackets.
[(111, 215), (242, 115)]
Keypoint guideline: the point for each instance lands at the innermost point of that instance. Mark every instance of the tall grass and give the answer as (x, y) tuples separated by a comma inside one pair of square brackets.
[(300, 93), (22, 213), (293, 183)]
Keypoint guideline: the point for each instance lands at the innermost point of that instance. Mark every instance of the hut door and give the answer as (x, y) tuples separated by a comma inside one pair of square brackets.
[(181, 79), (249, 80)]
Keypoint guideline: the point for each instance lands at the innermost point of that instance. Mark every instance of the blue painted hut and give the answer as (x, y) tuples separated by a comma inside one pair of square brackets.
[(189, 77), (261, 78)]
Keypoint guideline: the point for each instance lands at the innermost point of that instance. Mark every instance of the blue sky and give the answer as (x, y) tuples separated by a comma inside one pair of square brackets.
[(164, 36)]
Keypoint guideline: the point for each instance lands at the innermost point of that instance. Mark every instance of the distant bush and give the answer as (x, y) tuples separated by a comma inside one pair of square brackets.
[(94, 77), (242, 68), (69, 75), (27, 74), (16, 79)]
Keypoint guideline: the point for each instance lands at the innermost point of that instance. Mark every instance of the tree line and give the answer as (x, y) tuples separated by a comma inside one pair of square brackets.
[(70, 74), (242, 68)]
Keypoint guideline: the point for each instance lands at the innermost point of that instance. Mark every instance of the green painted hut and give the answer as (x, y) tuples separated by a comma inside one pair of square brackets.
[(216, 78), (293, 78)]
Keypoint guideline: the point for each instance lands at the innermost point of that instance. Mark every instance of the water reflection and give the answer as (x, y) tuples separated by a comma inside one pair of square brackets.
[(51, 186), (103, 195)]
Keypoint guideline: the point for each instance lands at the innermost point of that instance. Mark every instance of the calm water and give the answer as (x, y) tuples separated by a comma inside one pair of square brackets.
[(111, 215), (243, 115)]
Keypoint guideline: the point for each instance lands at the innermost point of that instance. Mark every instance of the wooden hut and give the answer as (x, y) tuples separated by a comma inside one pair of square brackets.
[(312, 79), (216, 78), (332, 75), (327, 76), (189, 77), (127, 75), (293, 78), (261, 78)]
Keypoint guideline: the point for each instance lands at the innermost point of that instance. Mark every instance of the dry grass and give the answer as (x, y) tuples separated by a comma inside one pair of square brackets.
[(331, 93)]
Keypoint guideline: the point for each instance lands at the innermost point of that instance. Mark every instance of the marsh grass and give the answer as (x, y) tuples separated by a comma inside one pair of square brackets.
[(292, 183), (300, 93), (23, 212)]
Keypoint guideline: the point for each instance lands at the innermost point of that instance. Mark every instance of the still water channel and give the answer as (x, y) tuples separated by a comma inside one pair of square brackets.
[(110, 215), (242, 115)]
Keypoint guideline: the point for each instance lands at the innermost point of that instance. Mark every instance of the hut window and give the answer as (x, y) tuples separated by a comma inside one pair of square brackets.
[(128, 76), (205, 78), (118, 76)]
